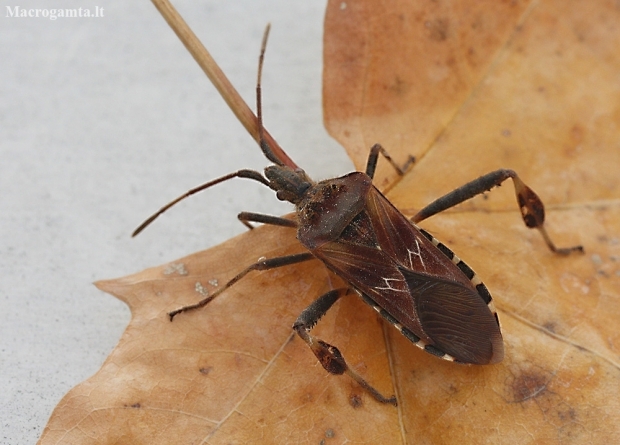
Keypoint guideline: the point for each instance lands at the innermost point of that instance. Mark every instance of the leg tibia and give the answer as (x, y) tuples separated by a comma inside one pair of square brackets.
[(329, 356), (530, 205)]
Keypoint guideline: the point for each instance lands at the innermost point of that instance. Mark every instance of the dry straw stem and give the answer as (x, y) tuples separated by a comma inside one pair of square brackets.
[(217, 77)]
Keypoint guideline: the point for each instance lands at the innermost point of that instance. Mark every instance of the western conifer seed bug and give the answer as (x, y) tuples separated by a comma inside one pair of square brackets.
[(410, 278)]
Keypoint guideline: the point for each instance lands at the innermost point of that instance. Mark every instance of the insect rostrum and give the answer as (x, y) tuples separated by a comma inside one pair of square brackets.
[(411, 279)]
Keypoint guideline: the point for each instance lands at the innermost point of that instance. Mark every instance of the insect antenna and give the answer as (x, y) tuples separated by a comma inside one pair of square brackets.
[(245, 173), (259, 103), (249, 174)]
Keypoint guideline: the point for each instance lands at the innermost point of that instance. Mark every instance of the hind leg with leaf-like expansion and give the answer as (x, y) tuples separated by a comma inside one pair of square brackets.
[(531, 206), (329, 356)]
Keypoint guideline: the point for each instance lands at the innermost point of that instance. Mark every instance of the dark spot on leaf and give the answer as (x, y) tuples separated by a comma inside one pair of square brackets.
[(452, 389), (398, 87), (206, 370), (134, 405), (528, 384), (438, 29), (568, 414), (355, 400)]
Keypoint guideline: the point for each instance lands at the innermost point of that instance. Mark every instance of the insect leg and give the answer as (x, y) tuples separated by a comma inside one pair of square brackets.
[(271, 263), (247, 217), (329, 356), (371, 164), (532, 208)]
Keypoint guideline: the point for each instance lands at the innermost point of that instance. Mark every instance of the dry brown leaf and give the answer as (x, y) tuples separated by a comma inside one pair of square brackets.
[(467, 89)]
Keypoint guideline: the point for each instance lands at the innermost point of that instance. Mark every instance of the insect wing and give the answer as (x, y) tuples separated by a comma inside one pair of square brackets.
[(404, 243), (384, 256), (456, 318), (449, 309), (372, 272)]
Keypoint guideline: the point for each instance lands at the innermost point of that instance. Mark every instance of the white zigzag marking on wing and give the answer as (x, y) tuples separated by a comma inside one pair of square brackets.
[(417, 254), (388, 287)]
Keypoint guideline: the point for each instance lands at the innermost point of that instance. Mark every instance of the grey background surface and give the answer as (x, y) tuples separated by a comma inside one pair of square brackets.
[(102, 121)]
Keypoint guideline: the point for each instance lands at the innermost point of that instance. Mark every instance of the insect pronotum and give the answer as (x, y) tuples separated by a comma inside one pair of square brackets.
[(410, 278)]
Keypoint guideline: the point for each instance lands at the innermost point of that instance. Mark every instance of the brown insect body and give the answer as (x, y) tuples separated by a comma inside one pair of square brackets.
[(351, 227), (411, 279)]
